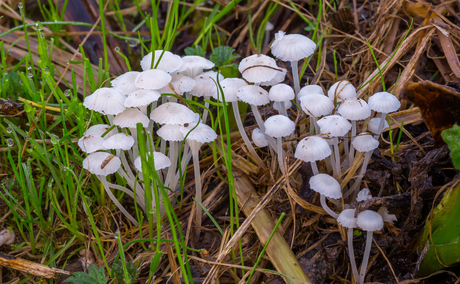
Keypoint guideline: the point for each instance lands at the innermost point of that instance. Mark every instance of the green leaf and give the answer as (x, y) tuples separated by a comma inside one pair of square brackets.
[(196, 50), (95, 275), (223, 55), (452, 138), (118, 271)]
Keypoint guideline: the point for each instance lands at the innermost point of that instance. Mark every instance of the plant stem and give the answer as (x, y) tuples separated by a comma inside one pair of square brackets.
[(326, 208), (367, 252), (351, 254)]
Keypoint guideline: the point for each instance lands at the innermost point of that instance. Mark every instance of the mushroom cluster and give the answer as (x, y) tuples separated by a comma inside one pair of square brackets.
[(157, 99)]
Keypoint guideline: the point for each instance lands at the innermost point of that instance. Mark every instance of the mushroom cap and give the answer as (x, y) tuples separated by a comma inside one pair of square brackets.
[(279, 126), (354, 109), (206, 84), (281, 93), (91, 143), (125, 82), (341, 90), (316, 105), (309, 90), (365, 143), (172, 113), (230, 87), (347, 218), (130, 117), (160, 161), (390, 218), (312, 148), (153, 79), (384, 102), (179, 84), (101, 163), (119, 141), (364, 194), (141, 97), (253, 95), (259, 138), (258, 68), (292, 47), (277, 105), (374, 125), (326, 185), (105, 101), (201, 134), (193, 65), (370, 221), (171, 132), (169, 62), (99, 129), (279, 77), (335, 125)]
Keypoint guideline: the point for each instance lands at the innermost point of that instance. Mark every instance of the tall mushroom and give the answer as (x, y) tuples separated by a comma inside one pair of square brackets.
[(312, 149), (384, 103), (347, 219), (279, 126), (327, 186)]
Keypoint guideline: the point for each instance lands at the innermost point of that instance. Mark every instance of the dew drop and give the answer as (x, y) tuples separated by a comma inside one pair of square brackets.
[(29, 69), (46, 70), (67, 61), (117, 49), (9, 142), (67, 93), (20, 5), (133, 43), (30, 75), (9, 130), (54, 138), (26, 137), (50, 184)]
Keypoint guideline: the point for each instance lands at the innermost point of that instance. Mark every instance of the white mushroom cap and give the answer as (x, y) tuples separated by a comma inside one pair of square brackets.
[(201, 134), (130, 117), (193, 65), (179, 84), (279, 126), (280, 93), (279, 77), (101, 163), (160, 161), (341, 90), (384, 102), (119, 141), (125, 83), (365, 143), (347, 218), (258, 68), (253, 95), (259, 138), (312, 148), (293, 47), (91, 143), (230, 87), (364, 194), (335, 125), (169, 62), (171, 132), (277, 105), (153, 79), (172, 113), (206, 84), (316, 105), (370, 221), (7, 237), (105, 101), (354, 109), (309, 90), (141, 97), (326, 185), (390, 218), (99, 129), (374, 125)]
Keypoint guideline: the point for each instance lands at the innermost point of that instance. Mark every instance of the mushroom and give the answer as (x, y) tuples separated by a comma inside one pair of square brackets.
[(341, 90), (279, 126), (141, 99), (347, 219), (281, 93), (258, 68), (169, 62), (125, 83), (172, 133), (152, 79), (326, 186), (193, 65), (259, 138), (312, 149), (107, 101), (316, 105), (369, 221), (384, 103)]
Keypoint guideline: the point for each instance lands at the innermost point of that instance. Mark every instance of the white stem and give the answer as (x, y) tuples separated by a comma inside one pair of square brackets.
[(383, 117), (367, 252), (239, 123), (314, 168), (115, 200), (279, 144), (196, 167), (346, 149), (173, 156), (283, 110), (337, 157), (326, 208), (205, 111), (143, 109), (295, 76), (351, 154), (351, 255), (260, 123), (357, 184)]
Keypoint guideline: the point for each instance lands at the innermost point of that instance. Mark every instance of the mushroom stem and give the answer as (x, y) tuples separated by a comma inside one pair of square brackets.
[(279, 145), (283, 110), (173, 156), (351, 154), (336, 164), (195, 147), (246, 140), (383, 116), (115, 200), (356, 185), (295, 76), (351, 255), (367, 252), (314, 168), (260, 123), (205, 111), (326, 208)]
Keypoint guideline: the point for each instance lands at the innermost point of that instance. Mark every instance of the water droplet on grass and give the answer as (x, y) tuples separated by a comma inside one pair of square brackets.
[(9, 130), (46, 70), (9, 142), (67, 93), (20, 5), (117, 49)]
